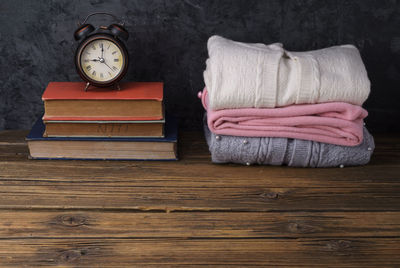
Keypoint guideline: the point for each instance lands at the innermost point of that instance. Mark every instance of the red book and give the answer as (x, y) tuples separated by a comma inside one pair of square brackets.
[(67, 101)]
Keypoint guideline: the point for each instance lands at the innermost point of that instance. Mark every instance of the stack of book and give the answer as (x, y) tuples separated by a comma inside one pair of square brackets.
[(126, 124)]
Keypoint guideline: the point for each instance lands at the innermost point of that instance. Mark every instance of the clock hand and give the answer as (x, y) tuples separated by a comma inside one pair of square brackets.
[(102, 50), (102, 60), (109, 66)]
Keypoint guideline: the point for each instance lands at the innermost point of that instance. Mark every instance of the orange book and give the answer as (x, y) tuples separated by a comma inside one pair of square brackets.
[(67, 101)]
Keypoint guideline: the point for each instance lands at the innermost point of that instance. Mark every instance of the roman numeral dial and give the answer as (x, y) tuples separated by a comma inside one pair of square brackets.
[(102, 60)]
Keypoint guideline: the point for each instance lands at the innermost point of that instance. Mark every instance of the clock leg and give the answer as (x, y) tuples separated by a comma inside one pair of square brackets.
[(87, 86), (117, 86)]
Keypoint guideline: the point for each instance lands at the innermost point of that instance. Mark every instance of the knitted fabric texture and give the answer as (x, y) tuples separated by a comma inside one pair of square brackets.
[(283, 151), (245, 75), (337, 123)]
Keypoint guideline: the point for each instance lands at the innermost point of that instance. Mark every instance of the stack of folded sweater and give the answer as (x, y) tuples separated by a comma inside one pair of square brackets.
[(266, 105)]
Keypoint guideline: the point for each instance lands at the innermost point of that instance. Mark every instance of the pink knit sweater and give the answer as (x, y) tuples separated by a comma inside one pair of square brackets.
[(333, 122)]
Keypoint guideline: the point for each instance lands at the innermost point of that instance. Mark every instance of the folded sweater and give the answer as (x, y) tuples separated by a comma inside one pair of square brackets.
[(283, 151), (337, 123), (244, 75)]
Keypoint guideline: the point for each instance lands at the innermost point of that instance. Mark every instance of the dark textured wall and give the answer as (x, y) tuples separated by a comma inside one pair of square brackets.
[(168, 43)]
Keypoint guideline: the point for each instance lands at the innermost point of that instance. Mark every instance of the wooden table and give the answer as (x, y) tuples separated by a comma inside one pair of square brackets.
[(191, 212)]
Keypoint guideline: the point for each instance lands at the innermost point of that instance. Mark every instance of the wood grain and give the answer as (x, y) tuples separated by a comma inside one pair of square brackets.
[(360, 252), (70, 195), (194, 213), (95, 224), (202, 174)]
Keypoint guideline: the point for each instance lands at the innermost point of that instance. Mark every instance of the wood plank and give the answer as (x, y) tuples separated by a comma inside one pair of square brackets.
[(10, 137), (181, 173), (73, 224), (203, 186), (196, 185), (360, 252), (384, 169), (70, 195)]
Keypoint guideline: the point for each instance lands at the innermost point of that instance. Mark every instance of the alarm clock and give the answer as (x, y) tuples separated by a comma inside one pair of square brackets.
[(101, 58)]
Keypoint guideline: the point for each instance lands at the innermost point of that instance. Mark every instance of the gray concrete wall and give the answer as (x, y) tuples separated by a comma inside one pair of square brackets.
[(168, 43)]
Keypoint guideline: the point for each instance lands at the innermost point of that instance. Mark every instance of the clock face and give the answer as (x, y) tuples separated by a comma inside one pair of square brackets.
[(102, 60)]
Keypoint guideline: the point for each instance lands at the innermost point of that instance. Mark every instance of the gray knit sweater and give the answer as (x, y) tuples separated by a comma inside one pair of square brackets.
[(283, 151)]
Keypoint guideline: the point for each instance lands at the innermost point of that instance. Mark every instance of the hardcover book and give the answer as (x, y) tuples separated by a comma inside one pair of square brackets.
[(67, 101), (133, 129), (103, 148)]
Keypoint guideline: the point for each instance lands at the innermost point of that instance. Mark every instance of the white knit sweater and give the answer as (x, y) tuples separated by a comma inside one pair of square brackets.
[(242, 75)]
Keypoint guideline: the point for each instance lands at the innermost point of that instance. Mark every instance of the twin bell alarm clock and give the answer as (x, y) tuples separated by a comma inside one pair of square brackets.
[(101, 58)]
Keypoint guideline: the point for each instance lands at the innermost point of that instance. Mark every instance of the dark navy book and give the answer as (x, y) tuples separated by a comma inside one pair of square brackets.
[(104, 148)]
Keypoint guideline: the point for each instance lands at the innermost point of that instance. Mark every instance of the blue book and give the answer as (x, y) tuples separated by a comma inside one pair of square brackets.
[(99, 148)]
